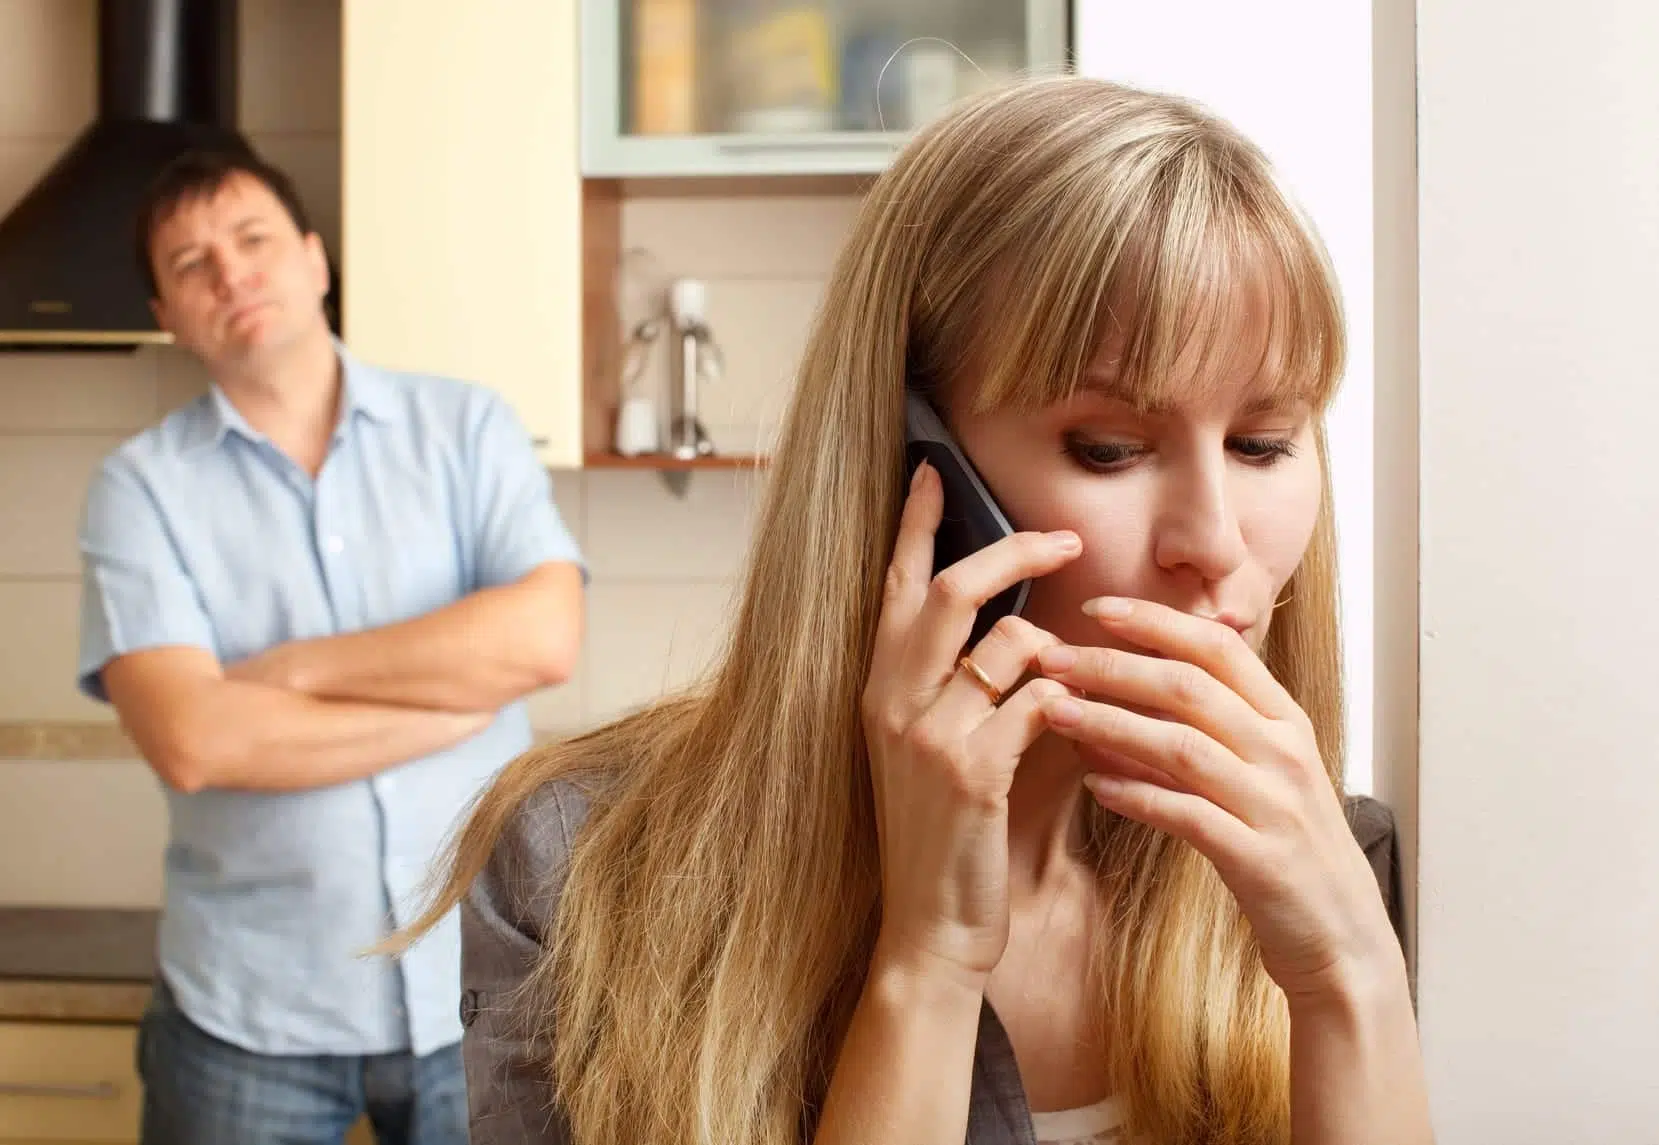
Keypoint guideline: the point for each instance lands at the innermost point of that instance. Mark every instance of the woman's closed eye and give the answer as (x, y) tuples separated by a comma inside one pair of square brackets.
[(1105, 456), (1262, 450), (1102, 456)]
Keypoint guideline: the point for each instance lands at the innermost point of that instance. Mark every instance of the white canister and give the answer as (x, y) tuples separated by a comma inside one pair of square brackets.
[(636, 427)]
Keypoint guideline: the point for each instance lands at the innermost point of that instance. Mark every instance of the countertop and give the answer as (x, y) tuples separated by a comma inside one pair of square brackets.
[(75, 964), (54, 740), (60, 740)]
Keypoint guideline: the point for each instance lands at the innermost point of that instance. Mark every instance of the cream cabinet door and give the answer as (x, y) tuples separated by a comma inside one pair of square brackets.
[(68, 1083), (461, 200)]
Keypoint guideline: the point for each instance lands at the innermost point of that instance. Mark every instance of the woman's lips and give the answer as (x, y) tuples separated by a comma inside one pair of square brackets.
[(1230, 619)]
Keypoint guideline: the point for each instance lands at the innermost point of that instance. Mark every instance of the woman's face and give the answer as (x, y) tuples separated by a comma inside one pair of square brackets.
[(1206, 506)]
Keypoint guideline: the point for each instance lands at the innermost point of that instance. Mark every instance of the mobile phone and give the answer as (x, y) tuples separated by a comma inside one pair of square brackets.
[(972, 517)]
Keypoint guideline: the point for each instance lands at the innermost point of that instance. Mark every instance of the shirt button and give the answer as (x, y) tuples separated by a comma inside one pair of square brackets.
[(469, 1007), (335, 545)]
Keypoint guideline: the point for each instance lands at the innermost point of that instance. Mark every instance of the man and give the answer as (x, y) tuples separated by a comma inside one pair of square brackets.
[(317, 597)]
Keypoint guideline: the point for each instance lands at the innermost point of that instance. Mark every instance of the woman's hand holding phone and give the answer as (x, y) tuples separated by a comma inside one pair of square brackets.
[(943, 749)]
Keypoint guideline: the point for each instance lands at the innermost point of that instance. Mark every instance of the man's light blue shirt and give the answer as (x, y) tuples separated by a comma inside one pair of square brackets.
[(200, 532)]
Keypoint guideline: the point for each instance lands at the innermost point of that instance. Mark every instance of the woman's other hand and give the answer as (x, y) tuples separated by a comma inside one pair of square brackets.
[(944, 744), (1198, 739)]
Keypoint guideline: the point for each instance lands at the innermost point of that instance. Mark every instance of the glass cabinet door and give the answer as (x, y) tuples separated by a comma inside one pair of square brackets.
[(728, 87)]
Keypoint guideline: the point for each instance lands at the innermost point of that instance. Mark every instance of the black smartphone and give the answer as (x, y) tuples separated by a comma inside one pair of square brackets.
[(972, 518)]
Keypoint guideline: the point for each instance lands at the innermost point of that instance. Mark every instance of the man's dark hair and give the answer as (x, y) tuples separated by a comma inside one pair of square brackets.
[(200, 174)]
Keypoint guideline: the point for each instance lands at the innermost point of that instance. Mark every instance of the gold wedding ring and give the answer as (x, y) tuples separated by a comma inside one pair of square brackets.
[(984, 681)]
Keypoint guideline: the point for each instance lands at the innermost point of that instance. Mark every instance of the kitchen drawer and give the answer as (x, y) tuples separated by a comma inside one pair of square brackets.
[(68, 1083)]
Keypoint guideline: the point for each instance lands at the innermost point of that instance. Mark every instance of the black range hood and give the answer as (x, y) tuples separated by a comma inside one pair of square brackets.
[(166, 83)]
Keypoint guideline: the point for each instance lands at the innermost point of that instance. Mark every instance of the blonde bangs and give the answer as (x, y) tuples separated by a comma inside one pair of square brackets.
[(1195, 272)]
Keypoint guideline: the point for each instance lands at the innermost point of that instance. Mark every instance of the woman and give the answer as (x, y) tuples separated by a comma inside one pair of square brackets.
[(1093, 879)]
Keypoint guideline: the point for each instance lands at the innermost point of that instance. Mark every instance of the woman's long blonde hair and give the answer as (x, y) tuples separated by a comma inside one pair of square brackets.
[(720, 909)]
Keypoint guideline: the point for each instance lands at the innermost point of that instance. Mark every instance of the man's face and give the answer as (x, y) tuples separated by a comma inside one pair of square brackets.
[(236, 281)]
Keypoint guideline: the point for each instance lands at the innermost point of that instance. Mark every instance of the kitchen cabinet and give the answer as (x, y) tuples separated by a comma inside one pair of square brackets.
[(461, 200), (802, 87), (64, 1082), (74, 984), (471, 245)]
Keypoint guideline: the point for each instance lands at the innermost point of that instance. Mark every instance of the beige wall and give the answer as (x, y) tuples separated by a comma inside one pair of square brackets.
[(664, 568), (1539, 854)]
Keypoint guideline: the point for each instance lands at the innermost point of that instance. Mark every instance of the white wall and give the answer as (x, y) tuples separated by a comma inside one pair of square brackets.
[(1539, 904), (1294, 75)]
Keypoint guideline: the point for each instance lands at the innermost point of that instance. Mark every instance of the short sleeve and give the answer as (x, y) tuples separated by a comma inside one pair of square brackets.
[(516, 524), (135, 591), (504, 924)]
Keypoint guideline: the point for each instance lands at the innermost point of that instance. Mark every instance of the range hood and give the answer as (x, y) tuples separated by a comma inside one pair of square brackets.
[(166, 83)]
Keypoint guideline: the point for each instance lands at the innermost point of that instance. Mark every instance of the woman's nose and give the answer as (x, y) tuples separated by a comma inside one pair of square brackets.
[(1197, 528)]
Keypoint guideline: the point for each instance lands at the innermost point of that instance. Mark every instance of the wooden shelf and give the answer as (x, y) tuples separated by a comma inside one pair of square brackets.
[(663, 462)]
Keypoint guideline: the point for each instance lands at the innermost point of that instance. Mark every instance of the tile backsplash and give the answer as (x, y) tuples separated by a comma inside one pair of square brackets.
[(664, 567)]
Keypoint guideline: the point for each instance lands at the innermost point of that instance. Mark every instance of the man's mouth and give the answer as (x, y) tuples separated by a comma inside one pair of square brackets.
[(243, 311)]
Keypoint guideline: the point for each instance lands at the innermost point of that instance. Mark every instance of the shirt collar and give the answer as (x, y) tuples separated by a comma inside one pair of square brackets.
[(364, 390)]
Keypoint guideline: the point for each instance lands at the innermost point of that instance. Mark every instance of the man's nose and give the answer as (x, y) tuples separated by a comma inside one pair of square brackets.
[(231, 271)]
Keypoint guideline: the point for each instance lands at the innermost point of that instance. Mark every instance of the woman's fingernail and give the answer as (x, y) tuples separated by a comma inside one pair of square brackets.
[(916, 477), (1107, 608), (1102, 784), (1058, 658), (1064, 711), (1066, 541)]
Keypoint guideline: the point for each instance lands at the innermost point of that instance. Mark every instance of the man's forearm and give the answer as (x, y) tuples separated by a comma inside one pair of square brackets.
[(253, 737), (475, 655), (1356, 1071)]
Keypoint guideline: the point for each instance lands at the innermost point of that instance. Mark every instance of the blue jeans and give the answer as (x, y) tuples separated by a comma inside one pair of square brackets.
[(199, 1090)]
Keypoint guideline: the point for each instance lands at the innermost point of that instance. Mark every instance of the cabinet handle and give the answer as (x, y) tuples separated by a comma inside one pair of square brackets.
[(96, 1091)]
